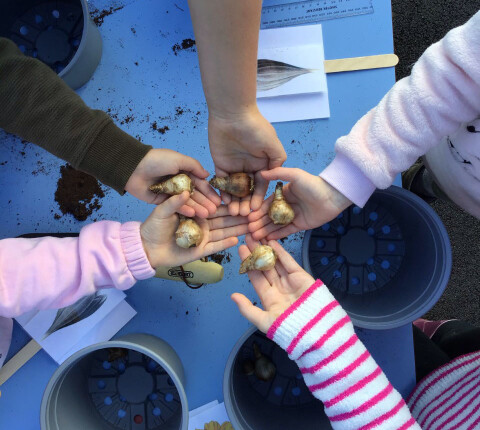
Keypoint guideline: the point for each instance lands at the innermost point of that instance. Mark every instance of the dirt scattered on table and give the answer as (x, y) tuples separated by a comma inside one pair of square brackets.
[(220, 256), (133, 30), (112, 115), (41, 169), (179, 111), (186, 44), (127, 119), (77, 193), (136, 63), (99, 15), (161, 130)]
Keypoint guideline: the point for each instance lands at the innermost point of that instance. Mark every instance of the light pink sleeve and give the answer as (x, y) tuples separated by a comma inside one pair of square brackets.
[(53, 273), (337, 368), (442, 92)]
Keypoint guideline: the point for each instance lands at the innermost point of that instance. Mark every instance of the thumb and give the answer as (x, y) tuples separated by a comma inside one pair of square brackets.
[(189, 164), (277, 157), (171, 205), (249, 311), (282, 173)]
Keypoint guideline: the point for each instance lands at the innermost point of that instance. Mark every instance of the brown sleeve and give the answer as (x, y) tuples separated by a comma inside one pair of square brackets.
[(38, 106)]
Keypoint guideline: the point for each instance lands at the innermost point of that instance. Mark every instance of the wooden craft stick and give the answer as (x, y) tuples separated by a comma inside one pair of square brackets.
[(18, 360), (360, 63)]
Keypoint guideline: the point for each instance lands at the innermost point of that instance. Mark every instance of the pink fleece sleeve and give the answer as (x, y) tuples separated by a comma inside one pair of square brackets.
[(337, 368), (52, 273), (442, 92)]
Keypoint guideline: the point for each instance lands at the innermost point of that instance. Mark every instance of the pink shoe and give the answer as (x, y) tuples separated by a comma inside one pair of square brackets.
[(429, 327)]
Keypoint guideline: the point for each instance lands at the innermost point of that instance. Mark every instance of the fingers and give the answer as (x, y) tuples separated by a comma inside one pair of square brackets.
[(221, 245), (269, 275), (253, 314), (263, 228), (282, 173), (200, 211), (189, 164), (187, 211), (261, 186), (171, 205), (283, 232), (207, 191), (222, 211), (258, 279), (245, 204), (205, 200), (223, 233), (251, 243), (288, 262), (261, 211), (227, 221), (277, 155), (226, 198), (158, 198), (282, 272), (234, 206)]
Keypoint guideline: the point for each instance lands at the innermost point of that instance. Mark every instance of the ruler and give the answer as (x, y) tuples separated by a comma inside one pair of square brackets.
[(284, 13)]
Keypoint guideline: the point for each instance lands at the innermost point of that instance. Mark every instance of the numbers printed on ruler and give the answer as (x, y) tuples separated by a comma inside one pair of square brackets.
[(281, 13)]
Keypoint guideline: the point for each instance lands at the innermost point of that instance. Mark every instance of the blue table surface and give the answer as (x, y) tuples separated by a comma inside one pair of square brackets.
[(202, 325)]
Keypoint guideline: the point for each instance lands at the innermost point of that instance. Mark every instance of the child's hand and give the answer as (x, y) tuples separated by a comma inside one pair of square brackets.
[(162, 162), (244, 143), (314, 201), (158, 233), (277, 288)]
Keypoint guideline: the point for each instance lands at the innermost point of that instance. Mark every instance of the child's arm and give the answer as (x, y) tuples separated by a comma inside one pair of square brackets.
[(39, 107), (307, 322), (240, 138), (442, 92), (52, 273)]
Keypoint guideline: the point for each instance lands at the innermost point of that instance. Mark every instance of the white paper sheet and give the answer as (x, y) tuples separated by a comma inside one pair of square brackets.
[(295, 107), (299, 106), (216, 413), (105, 329), (203, 408), (61, 343)]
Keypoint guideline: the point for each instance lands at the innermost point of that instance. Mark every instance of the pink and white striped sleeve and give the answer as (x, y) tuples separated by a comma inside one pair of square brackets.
[(318, 334)]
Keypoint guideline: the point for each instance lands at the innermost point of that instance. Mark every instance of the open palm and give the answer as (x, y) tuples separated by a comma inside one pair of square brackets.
[(248, 144), (314, 201), (277, 288), (158, 233), (162, 162)]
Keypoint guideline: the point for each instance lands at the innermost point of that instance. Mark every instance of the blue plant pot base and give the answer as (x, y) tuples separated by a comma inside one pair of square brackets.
[(358, 252), (387, 264), (132, 391), (287, 388), (50, 31)]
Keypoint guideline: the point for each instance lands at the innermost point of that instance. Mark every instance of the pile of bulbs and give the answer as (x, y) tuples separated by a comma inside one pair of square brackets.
[(189, 234)]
